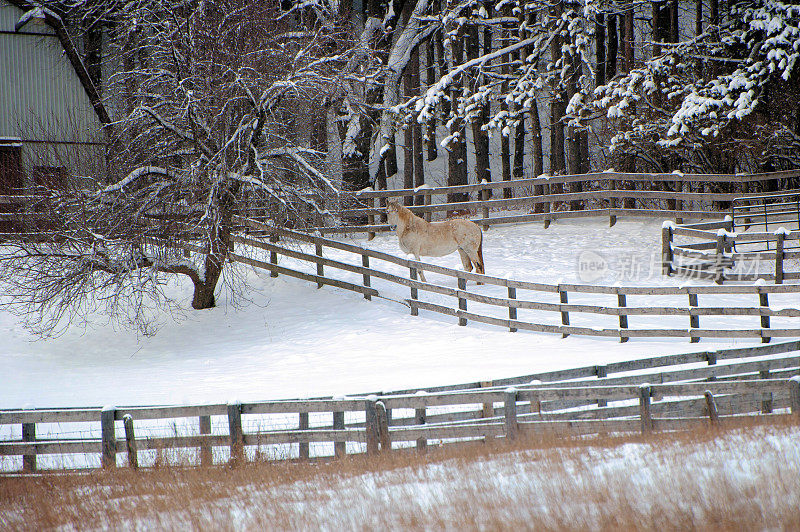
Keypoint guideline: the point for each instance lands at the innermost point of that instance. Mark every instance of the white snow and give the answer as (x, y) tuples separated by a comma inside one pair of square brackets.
[(289, 339)]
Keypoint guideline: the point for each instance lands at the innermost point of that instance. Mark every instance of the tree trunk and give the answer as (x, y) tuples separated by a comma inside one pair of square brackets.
[(674, 21), (221, 245), (600, 47), (457, 150), (505, 142), (557, 109), (319, 130), (389, 161), (480, 137), (355, 165), (630, 40), (611, 58), (698, 17), (408, 163), (408, 132), (408, 142), (629, 163), (574, 134), (416, 127), (538, 163), (92, 53), (203, 296), (713, 16), (430, 126), (519, 133)]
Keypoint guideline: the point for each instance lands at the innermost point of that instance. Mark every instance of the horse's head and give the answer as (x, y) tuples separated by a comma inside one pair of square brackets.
[(393, 213)]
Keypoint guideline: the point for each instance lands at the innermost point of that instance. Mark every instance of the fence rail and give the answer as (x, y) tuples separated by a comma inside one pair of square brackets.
[(362, 262), (599, 194), (715, 249), (640, 407)]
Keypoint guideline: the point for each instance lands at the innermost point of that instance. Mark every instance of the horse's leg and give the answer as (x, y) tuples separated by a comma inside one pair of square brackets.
[(474, 256), (465, 260), (420, 272)]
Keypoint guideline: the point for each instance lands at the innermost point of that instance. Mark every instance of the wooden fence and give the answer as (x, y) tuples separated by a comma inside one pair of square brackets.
[(363, 262), (613, 194), (714, 249), (770, 211), (599, 193), (546, 403)]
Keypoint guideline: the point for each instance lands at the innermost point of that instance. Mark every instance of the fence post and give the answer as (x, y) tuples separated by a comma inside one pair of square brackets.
[(644, 408), (512, 310), (488, 408), (779, 257), (622, 302), (794, 393), (666, 249), (236, 433), (419, 418), (562, 295), (535, 405), (602, 373), (365, 263), (612, 203), (763, 302), (371, 218), (510, 413), (766, 397), (719, 258), (414, 292), (320, 267), (427, 204), (711, 405), (485, 209), (130, 441), (694, 319), (339, 447), (29, 435), (371, 426), (303, 447), (273, 255), (462, 303), (108, 437), (205, 447), (383, 427)]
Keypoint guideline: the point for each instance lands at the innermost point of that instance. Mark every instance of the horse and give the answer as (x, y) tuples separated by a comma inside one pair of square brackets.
[(437, 239)]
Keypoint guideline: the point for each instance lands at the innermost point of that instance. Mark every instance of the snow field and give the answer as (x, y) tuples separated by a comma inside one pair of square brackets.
[(287, 339)]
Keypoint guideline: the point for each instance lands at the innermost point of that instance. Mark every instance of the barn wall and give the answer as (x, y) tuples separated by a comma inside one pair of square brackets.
[(42, 102)]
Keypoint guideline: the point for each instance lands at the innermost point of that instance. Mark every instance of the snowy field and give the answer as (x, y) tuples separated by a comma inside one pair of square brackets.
[(290, 339), (743, 479)]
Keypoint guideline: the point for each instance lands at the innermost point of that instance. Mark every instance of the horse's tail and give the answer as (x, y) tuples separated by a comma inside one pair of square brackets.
[(480, 255)]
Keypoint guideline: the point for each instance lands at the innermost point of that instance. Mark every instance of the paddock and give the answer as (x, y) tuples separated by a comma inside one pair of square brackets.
[(331, 314)]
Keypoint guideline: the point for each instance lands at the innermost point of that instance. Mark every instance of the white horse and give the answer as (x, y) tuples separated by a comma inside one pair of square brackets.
[(436, 239)]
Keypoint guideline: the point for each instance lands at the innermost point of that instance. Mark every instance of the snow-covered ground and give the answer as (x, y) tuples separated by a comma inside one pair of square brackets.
[(736, 477), (742, 479), (293, 340)]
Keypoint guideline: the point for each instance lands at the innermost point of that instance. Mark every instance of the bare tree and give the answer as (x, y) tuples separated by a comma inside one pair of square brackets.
[(214, 96)]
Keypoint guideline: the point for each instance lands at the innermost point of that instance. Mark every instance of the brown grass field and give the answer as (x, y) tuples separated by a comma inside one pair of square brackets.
[(744, 478)]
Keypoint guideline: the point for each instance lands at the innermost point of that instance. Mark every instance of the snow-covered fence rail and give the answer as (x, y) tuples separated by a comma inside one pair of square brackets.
[(503, 309), (380, 431), (715, 249), (598, 194)]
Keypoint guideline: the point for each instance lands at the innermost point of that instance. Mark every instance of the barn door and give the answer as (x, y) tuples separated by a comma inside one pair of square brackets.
[(11, 184)]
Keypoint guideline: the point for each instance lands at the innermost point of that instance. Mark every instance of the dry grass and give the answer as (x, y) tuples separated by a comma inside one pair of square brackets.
[(739, 479)]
